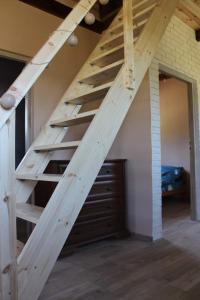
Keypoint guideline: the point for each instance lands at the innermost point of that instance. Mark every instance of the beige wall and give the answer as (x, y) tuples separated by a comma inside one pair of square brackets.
[(174, 123), (23, 30), (134, 143)]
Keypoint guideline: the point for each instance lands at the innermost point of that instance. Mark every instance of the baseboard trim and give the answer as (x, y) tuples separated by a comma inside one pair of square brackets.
[(141, 237)]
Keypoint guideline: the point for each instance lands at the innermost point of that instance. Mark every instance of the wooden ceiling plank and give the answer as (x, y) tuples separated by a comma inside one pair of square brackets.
[(191, 9)]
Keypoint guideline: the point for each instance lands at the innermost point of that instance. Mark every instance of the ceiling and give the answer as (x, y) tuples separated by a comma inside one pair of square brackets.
[(188, 11), (61, 8)]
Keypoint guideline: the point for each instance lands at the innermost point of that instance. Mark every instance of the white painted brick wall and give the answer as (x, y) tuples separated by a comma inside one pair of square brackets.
[(179, 51)]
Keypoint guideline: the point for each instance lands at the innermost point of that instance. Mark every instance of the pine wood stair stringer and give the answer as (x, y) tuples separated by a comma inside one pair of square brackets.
[(42, 249), (77, 93)]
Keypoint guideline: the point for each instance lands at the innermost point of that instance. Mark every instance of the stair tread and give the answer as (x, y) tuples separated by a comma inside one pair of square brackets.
[(111, 39), (39, 177), (94, 94), (110, 56), (78, 119), (103, 73), (142, 7), (60, 146), (119, 36), (98, 60), (136, 18), (28, 212)]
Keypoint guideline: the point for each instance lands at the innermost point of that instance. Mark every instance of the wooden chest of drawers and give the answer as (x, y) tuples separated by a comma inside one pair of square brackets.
[(104, 212)]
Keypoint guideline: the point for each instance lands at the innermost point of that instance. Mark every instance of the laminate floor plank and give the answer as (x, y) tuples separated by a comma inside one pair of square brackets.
[(130, 269)]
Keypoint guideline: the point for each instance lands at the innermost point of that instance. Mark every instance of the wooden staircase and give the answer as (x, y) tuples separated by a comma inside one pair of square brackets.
[(108, 81)]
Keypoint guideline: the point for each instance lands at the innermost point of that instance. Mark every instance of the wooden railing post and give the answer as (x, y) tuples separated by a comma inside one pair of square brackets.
[(129, 77), (8, 276)]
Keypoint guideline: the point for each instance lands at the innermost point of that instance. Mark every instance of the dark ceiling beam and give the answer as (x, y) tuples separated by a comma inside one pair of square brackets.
[(60, 10), (111, 8), (198, 35)]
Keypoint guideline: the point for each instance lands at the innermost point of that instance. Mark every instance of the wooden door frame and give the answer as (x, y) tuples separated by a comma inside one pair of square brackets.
[(29, 122), (194, 138)]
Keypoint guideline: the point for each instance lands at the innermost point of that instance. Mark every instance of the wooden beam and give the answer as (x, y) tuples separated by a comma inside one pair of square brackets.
[(129, 62), (41, 251), (45, 55), (111, 8), (190, 9), (62, 11), (8, 246)]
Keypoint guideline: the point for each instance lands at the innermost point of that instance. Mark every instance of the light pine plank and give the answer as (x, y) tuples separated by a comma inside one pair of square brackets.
[(8, 275), (28, 212), (75, 94), (129, 62), (55, 147), (78, 119), (190, 9), (41, 251), (39, 177)]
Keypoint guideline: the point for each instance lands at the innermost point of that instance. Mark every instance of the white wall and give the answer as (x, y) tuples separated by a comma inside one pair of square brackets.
[(139, 138), (174, 119), (179, 51)]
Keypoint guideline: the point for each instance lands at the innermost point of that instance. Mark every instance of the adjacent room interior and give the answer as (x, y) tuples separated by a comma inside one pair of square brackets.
[(175, 150)]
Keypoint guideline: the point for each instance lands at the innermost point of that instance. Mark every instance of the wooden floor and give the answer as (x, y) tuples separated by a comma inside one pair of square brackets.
[(131, 270)]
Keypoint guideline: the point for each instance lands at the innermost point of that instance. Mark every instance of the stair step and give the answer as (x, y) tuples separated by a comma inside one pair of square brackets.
[(109, 56), (138, 17), (118, 37), (78, 119), (96, 93), (112, 38), (20, 247), (28, 212), (39, 177), (141, 7), (103, 74), (54, 147)]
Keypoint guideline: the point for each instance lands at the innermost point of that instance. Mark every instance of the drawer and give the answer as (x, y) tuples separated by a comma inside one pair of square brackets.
[(110, 170), (86, 231), (105, 189), (102, 208), (104, 211)]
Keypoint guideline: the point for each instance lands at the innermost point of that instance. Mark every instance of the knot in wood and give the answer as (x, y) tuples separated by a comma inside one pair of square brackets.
[(6, 269), (6, 199)]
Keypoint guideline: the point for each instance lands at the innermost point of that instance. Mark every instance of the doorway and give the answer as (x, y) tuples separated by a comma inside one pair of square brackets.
[(179, 148), (10, 69)]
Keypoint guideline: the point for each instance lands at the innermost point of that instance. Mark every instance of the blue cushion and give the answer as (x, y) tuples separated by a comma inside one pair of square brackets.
[(172, 178)]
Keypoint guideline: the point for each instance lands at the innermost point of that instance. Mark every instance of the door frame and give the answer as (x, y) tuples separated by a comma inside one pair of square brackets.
[(194, 138), (29, 125)]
